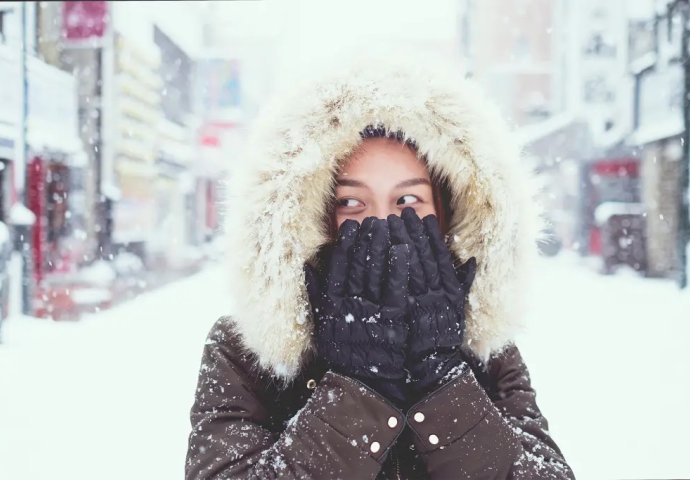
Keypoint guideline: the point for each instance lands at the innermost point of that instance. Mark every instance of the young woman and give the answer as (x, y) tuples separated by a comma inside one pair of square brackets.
[(380, 239)]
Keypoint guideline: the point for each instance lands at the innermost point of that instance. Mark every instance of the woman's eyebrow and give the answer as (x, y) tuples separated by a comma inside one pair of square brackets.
[(412, 182), (348, 182)]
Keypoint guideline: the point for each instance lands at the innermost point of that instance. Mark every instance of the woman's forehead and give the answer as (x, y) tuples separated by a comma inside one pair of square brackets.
[(382, 157)]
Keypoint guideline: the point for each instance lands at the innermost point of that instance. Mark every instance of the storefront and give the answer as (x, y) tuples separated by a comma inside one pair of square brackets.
[(56, 167), (10, 111), (134, 115), (175, 188), (10, 114), (657, 139), (218, 142), (134, 213)]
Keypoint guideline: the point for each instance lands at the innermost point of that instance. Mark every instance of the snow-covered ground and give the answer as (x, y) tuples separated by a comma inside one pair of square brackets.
[(610, 360), (108, 397)]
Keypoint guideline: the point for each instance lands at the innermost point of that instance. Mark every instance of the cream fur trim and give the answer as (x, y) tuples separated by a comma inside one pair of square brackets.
[(277, 196)]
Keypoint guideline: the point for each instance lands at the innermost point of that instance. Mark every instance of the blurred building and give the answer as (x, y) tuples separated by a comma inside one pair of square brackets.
[(513, 50), (136, 69), (561, 70), (177, 152), (596, 74), (112, 142), (541, 58), (73, 37), (56, 167), (220, 103), (620, 130), (657, 71), (10, 115), (598, 99), (45, 170), (135, 112)]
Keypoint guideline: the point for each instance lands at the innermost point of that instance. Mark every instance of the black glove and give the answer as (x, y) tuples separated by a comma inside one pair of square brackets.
[(360, 309), (436, 304)]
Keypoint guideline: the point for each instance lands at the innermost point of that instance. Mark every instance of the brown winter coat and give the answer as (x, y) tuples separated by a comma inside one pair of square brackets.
[(255, 415), (326, 425)]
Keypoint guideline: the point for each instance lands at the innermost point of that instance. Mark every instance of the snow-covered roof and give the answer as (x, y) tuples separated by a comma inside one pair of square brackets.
[(4, 233), (608, 209), (657, 131), (531, 133), (44, 136), (7, 133), (111, 191), (20, 215), (643, 62)]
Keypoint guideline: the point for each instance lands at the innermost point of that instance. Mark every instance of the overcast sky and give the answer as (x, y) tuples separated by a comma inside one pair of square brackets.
[(309, 31)]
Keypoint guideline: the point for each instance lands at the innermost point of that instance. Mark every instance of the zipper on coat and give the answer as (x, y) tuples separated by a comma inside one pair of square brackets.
[(397, 465)]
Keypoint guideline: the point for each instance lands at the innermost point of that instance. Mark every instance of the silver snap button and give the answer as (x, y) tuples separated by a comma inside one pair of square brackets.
[(311, 384), (433, 439), (419, 417), (392, 422), (375, 447)]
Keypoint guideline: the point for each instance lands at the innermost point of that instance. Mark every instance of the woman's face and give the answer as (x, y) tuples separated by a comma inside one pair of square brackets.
[(380, 178)]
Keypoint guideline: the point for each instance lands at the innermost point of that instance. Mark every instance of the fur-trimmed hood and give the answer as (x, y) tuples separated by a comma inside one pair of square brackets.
[(278, 193)]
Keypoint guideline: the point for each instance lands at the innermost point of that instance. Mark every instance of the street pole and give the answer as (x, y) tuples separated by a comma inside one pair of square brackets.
[(683, 233), (683, 219), (106, 114), (26, 231), (685, 170)]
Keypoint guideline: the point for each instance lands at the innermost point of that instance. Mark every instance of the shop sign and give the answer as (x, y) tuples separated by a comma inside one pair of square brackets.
[(84, 20)]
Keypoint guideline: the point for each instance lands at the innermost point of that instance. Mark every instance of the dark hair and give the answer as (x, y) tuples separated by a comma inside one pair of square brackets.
[(379, 131)]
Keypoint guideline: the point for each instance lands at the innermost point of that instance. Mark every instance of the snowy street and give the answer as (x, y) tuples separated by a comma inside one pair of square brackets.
[(610, 361), (108, 397)]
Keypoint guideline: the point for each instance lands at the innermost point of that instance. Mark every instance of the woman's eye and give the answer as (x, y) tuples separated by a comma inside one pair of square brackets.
[(349, 202), (407, 199)]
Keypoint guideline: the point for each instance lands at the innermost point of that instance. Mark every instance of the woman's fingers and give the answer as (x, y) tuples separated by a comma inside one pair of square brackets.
[(376, 260), (358, 259), (467, 272), (338, 267), (444, 259), (311, 281), (399, 236), (396, 290), (420, 240)]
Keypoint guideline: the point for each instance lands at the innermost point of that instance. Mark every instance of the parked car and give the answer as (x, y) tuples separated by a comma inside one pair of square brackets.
[(622, 227)]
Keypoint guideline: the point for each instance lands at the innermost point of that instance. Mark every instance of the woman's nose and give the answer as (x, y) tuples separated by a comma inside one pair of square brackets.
[(383, 212)]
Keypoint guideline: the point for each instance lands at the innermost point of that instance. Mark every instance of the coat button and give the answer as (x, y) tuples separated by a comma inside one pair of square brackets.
[(419, 417), (375, 447), (433, 439), (311, 384), (392, 422)]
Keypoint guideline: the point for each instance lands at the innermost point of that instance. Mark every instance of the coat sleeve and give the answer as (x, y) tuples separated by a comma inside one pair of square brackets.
[(344, 430), (462, 433)]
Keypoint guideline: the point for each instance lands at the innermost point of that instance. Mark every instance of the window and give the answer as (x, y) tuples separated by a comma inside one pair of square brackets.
[(3, 13)]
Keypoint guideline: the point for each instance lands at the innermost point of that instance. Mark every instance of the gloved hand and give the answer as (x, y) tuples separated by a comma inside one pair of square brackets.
[(360, 309), (438, 293)]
